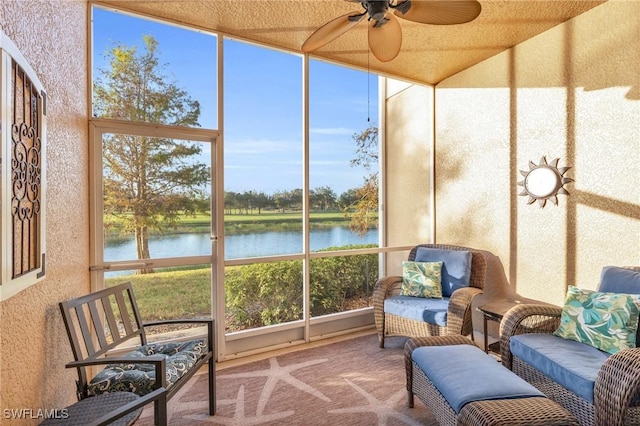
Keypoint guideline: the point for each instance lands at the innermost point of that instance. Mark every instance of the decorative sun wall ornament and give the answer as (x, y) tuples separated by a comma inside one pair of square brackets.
[(544, 181)]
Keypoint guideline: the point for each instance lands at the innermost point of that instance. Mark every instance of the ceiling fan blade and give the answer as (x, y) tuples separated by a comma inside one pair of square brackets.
[(385, 40), (441, 12), (331, 30)]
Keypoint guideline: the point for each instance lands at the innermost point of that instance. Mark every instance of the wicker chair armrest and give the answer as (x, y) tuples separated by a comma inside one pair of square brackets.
[(617, 383), (387, 286), (526, 318), (459, 312), (384, 288)]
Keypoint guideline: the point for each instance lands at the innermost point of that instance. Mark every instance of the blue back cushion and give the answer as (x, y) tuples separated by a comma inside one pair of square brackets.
[(456, 267), (614, 279)]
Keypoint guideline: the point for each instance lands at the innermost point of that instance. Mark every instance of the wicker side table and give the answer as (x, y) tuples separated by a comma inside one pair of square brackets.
[(494, 312), (87, 411)]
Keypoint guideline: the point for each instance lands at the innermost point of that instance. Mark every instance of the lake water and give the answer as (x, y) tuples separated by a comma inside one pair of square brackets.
[(238, 245)]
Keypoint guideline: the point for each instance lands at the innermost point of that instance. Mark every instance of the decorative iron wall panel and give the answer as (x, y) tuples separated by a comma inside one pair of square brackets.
[(26, 173)]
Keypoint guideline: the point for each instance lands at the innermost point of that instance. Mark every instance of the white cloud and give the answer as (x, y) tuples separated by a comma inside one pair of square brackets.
[(329, 163), (331, 131)]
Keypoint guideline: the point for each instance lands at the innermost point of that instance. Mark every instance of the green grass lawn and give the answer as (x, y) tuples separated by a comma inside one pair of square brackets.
[(247, 223), (171, 294), (332, 216), (186, 292)]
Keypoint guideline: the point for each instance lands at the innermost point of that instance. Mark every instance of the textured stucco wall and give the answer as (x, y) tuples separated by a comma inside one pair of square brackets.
[(34, 346), (571, 93), (408, 156)]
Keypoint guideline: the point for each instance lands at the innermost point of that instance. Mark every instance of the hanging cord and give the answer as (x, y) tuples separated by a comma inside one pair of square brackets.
[(368, 92), (368, 81)]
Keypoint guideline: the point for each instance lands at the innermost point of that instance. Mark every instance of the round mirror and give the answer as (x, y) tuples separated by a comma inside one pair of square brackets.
[(544, 181)]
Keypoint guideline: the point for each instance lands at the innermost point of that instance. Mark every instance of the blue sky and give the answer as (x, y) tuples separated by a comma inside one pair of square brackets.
[(263, 104)]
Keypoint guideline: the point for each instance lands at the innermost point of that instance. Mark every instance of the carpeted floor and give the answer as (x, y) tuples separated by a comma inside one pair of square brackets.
[(351, 382)]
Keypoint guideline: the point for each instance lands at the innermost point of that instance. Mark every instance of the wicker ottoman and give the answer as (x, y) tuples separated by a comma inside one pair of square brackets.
[(515, 412), (462, 385)]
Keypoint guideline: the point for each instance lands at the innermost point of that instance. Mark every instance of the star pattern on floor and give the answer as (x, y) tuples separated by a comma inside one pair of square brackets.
[(384, 409), (175, 410), (239, 418), (276, 373), (285, 390)]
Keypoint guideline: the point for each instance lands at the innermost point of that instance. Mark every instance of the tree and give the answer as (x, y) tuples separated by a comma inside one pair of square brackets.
[(261, 201), (148, 182), (282, 200), (231, 201), (296, 198), (347, 199), (362, 213), (323, 198)]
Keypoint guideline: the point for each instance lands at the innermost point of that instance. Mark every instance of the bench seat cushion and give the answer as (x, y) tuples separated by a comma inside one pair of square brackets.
[(464, 373), (572, 364), (433, 311), (141, 378)]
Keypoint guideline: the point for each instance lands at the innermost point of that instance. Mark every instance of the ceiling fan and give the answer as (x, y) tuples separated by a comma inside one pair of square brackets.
[(385, 34)]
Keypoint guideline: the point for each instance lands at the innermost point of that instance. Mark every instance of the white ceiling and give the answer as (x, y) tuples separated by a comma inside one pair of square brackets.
[(430, 53)]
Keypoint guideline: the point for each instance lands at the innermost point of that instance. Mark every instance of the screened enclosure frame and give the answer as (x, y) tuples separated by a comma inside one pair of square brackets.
[(245, 342)]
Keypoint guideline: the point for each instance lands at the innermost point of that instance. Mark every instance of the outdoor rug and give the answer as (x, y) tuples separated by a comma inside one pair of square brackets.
[(351, 382)]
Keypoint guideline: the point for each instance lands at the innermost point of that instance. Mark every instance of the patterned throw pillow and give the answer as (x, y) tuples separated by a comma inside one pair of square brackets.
[(606, 321), (422, 279)]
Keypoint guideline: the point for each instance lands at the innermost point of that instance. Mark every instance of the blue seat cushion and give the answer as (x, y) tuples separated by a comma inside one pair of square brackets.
[(140, 379), (433, 311), (571, 364), (456, 266), (464, 373)]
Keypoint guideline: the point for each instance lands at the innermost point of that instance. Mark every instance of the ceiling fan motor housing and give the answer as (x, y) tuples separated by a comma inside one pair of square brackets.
[(377, 9)]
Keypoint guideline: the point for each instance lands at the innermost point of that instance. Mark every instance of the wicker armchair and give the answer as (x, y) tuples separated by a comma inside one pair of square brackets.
[(459, 309), (616, 391)]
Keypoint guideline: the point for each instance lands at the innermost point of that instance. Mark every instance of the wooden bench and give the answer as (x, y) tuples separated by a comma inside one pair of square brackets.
[(99, 322)]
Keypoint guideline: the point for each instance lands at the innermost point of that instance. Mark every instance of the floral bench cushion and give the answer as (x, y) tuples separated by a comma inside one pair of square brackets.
[(140, 378)]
